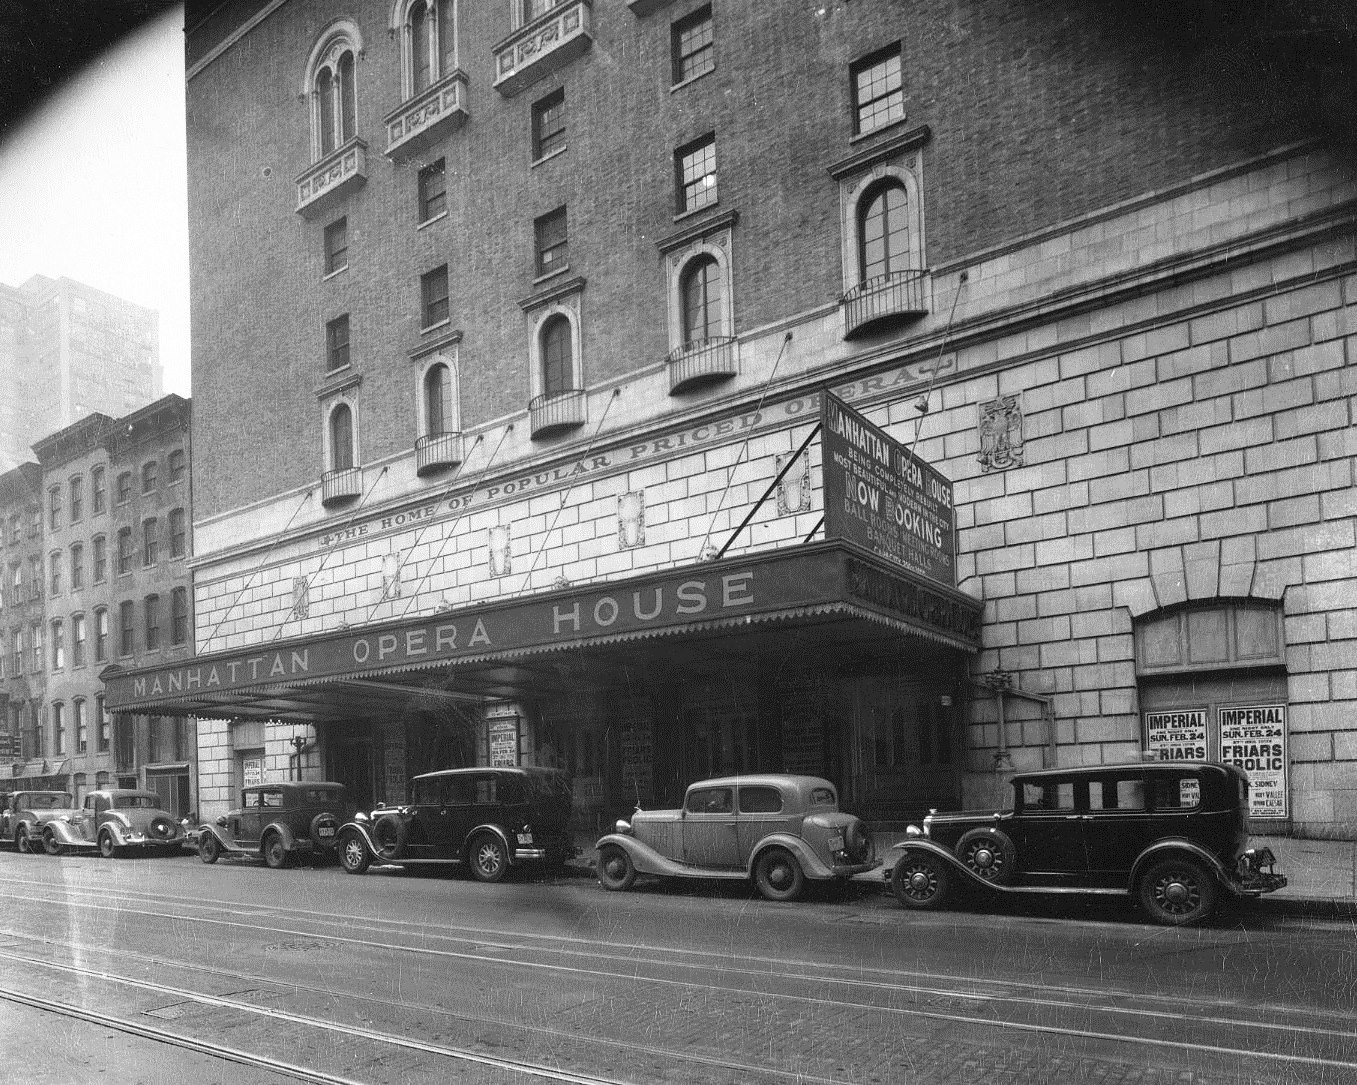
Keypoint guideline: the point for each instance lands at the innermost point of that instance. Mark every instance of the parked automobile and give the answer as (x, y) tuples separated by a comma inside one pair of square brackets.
[(26, 812), (113, 821), (278, 823), (488, 818), (1172, 834), (778, 830)]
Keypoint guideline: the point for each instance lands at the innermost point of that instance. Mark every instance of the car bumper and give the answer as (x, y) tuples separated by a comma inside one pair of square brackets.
[(1251, 880)]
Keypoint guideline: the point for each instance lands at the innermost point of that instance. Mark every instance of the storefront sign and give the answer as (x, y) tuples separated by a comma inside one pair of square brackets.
[(1254, 738), (883, 498), (502, 741), (1176, 736)]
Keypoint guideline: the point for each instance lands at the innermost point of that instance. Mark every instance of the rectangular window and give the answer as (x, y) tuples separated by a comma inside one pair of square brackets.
[(337, 246), (691, 44), (148, 477), (337, 342), (150, 543), (78, 640), (105, 723), (82, 737), (179, 616), (548, 124), (695, 173), (124, 487), (58, 645), (553, 248), (178, 465), (55, 562), (433, 292), (152, 615), (878, 92), (128, 642), (100, 569), (35, 639), (177, 536), (54, 502), (77, 499), (100, 635), (34, 578), (124, 551), (18, 668), (58, 729), (433, 191), (98, 489)]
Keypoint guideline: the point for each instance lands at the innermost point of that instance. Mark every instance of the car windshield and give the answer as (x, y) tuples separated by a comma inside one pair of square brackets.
[(51, 800), (134, 802)]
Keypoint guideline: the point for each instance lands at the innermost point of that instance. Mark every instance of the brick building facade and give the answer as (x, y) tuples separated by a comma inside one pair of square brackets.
[(513, 325)]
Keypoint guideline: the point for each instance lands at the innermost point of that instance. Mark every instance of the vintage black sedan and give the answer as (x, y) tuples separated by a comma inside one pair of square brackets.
[(778, 830), (279, 823), (1172, 834)]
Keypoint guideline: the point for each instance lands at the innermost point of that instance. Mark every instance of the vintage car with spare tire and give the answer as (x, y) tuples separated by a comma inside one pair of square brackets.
[(1172, 834), (281, 823), (487, 819), (778, 831), (26, 812), (115, 821)]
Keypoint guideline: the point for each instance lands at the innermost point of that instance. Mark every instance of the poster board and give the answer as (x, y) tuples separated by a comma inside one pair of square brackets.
[(1254, 738), (1177, 735), (502, 742)]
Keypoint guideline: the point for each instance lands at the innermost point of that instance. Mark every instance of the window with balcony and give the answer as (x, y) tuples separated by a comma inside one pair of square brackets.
[(338, 157), (179, 616), (430, 43), (553, 246), (343, 481), (77, 498), (150, 541), (336, 240), (337, 343), (548, 125), (148, 477), (151, 614), (101, 634), (702, 291), (333, 97), (98, 490), (341, 438), (124, 551), (878, 90), (695, 174), (127, 620), (433, 191), (439, 445), (178, 465), (178, 534), (433, 296), (692, 45), (547, 35), (557, 357), (77, 567), (99, 567)]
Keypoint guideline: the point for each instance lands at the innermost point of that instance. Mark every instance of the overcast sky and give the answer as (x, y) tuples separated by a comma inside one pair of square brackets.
[(92, 185)]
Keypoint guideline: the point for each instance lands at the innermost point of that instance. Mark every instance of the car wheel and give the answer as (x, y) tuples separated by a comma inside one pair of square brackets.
[(21, 840), (50, 844), (353, 854), (489, 859), (778, 875), (209, 850), (1176, 892), (616, 871), (275, 852), (989, 854), (107, 848), (389, 834), (920, 880)]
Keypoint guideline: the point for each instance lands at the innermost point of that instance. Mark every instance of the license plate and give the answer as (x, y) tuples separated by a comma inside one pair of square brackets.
[(836, 843), (525, 838), (327, 830)]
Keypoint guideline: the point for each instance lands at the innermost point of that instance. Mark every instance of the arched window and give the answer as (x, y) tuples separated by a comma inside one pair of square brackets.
[(703, 297), (341, 438), (439, 416), (333, 94), (557, 358), (883, 231), (430, 32)]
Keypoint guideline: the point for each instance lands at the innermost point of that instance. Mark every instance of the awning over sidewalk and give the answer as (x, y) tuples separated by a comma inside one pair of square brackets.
[(825, 598)]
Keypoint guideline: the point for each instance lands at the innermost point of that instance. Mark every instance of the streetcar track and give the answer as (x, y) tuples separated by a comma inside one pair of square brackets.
[(1192, 1045), (477, 936)]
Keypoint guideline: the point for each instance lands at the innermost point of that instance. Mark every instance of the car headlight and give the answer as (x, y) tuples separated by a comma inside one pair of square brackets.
[(622, 826), (913, 830)]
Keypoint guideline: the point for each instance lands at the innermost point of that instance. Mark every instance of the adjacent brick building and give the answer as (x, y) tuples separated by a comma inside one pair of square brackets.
[(513, 328)]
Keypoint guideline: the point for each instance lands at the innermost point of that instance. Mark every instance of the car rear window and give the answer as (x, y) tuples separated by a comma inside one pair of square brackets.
[(823, 796), (760, 800), (47, 802), (320, 796), (1177, 793), (711, 800), (134, 802)]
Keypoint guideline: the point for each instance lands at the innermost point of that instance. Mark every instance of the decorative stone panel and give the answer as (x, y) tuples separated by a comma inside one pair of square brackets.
[(1001, 434), (428, 117), (538, 48), (332, 178), (631, 520), (793, 492)]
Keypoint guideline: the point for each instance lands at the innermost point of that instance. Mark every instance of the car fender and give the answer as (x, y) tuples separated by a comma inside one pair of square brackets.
[(647, 860), (361, 829), (920, 844), (118, 830), (1161, 848), (225, 840), (64, 831), (509, 845), (290, 839), (812, 866)]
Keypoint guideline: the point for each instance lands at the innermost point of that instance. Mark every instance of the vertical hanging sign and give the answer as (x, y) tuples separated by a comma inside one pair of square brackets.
[(1254, 738), (882, 497)]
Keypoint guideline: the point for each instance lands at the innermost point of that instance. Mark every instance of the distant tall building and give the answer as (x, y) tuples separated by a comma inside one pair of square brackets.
[(70, 350)]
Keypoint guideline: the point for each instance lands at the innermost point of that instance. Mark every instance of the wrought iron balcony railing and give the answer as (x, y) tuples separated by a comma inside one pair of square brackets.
[(703, 361), (337, 487), (884, 301), (557, 412), (437, 452), (427, 117)]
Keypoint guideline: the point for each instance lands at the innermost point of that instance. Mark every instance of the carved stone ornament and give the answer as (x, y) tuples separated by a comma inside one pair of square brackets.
[(1001, 437)]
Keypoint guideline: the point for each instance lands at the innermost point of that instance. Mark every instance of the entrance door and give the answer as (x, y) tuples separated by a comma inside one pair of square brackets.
[(351, 765)]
